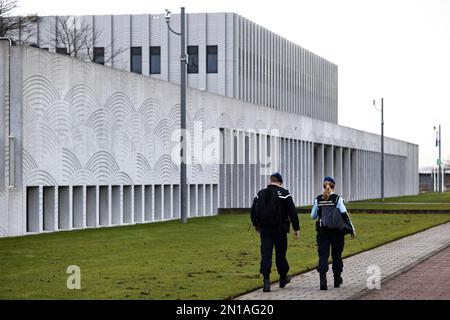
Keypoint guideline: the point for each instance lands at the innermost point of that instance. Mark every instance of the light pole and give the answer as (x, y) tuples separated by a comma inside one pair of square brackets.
[(382, 145), (440, 179), (183, 62)]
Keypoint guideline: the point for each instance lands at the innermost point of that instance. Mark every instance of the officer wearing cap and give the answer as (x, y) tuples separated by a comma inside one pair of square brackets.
[(332, 225), (272, 212)]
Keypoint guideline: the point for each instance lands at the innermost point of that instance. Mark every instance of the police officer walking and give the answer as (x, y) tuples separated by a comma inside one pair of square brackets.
[(332, 225), (272, 212)]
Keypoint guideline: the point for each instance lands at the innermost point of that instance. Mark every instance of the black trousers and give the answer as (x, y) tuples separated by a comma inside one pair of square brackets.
[(269, 239), (325, 240)]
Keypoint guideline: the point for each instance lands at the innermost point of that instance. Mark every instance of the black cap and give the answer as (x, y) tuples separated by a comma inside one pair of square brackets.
[(329, 179), (277, 176)]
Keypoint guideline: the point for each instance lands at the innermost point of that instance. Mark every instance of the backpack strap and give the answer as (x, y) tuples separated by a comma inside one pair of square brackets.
[(336, 201)]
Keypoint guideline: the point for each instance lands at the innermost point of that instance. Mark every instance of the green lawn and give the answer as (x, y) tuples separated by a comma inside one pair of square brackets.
[(423, 201), (397, 206), (209, 258), (426, 197), (392, 206)]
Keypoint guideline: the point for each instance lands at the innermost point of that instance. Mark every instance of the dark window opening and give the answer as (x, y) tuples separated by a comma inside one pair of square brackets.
[(155, 60), (136, 59), (192, 66), (211, 59), (62, 51), (99, 55)]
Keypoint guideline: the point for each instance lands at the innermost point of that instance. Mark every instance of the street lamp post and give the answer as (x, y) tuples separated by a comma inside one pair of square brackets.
[(382, 145), (440, 178), (183, 155)]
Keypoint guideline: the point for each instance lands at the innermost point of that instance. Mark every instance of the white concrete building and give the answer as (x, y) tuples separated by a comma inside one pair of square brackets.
[(85, 145), (229, 55)]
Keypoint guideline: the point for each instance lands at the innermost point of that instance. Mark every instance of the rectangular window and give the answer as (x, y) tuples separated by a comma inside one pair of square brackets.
[(155, 60), (136, 59), (99, 55), (192, 66), (62, 51), (211, 59)]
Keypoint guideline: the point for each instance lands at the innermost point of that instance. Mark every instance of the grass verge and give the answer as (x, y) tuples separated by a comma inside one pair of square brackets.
[(209, 258), (426, 197)]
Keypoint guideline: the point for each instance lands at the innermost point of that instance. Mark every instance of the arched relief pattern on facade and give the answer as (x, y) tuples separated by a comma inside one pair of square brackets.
[(94, 141)]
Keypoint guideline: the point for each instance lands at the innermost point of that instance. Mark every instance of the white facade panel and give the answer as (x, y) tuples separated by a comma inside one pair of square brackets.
[(105, 133)]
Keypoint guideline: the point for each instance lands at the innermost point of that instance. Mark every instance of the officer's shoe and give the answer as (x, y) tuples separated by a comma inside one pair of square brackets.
[(284, 281), (266, 287), (338, 280), (323, 281)]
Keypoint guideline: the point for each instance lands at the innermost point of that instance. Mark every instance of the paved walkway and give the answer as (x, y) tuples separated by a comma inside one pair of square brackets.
[(391, 258), (408, 203), (430, 279)]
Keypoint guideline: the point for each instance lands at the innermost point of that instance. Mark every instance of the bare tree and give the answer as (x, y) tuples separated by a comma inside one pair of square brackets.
[(18, 28), (78, 37)]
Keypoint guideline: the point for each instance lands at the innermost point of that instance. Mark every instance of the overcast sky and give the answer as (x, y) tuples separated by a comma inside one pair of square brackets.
[(396, 49)]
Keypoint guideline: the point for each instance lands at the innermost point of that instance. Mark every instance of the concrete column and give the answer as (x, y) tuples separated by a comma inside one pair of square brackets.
[(337, 169), (248, 170), (189, 207), (361, 174), (291, 175), (346, 174), (232, 170), (122, 199), (193, 200), (312, 173), (239, 169), (308, 170), (294, 160), (97, 205), (302, 177), (353, 175), (253, 164), (299, 163), (258, 161), (319, 155), (215, 192), (329, 161), (243, 191), (364, 174), (288, 173), (228, 196), (71, 207), (221, 182), (263, 159), (110, 201)]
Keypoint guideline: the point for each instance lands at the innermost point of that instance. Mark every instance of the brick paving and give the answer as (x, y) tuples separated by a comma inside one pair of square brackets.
[(429, 279), (391, 258)]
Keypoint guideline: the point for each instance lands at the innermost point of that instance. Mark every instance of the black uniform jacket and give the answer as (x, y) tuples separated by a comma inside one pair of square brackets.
[(288, 210)]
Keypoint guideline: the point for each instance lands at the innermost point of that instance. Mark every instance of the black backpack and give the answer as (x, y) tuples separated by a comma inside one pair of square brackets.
[(329, 215), (268, 208)]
